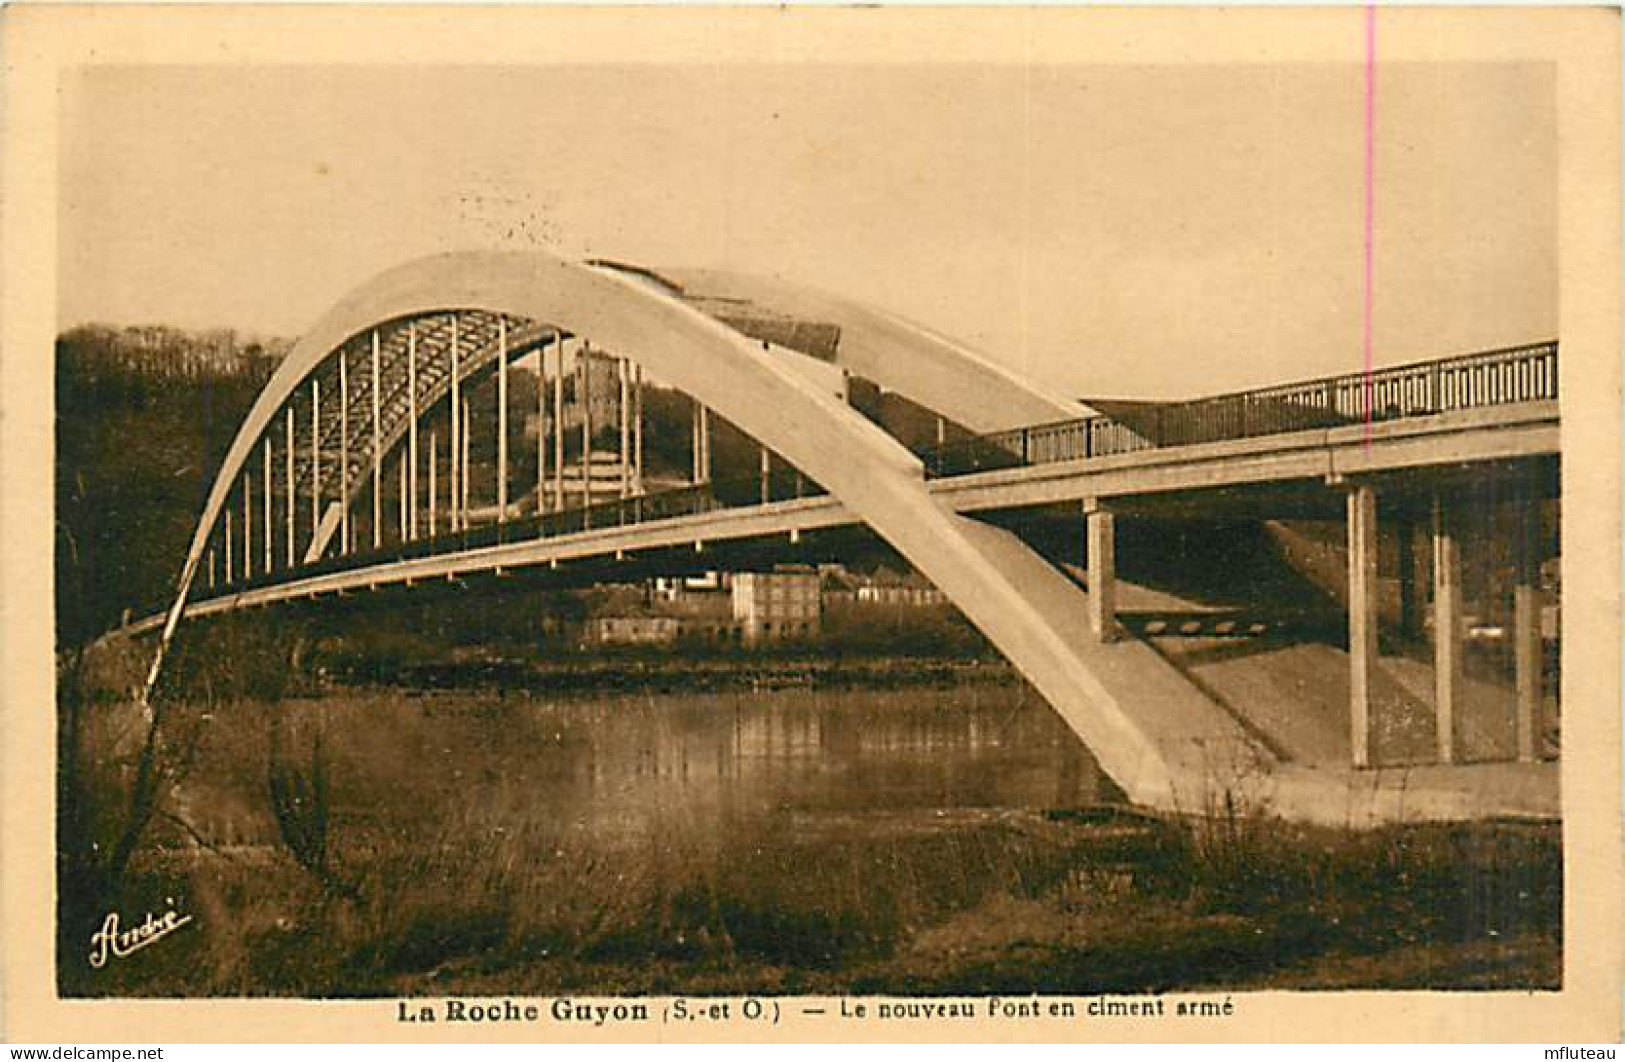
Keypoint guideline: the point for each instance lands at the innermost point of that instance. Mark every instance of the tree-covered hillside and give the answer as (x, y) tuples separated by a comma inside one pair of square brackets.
[(143, 417)]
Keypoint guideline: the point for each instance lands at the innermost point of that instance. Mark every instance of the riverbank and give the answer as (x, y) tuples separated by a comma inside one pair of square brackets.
[(249, 657), (1114, 905), (928, 840), (1004, 905), (663, 673)]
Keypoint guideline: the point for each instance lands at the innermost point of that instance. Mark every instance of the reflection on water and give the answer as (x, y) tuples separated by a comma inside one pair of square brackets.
[(628, 842), (795, 841), (625, 766)]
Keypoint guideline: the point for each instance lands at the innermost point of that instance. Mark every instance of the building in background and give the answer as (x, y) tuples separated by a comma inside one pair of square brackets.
[(770, 606), (688, 589), (787, 603), (633, 630), (887, 587)]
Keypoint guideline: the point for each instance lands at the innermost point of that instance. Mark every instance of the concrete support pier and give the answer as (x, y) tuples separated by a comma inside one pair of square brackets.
[(1527, 649), (1412, 601), (1101, 533), (1363, 649), (558, 428), (502, 420), (701, 443), (1447, 630)]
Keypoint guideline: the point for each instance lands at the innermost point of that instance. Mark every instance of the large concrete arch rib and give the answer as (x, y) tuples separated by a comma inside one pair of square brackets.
[(920, 364), (1021, 603)]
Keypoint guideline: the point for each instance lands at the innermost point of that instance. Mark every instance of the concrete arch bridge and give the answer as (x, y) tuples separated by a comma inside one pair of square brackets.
[(487, 414)]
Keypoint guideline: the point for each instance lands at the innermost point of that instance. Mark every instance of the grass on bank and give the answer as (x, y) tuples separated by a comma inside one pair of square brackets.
[(466, 889), (441, 869)]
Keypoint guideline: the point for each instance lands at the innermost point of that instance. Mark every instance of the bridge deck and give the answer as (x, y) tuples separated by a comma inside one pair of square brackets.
[(1312, 457)]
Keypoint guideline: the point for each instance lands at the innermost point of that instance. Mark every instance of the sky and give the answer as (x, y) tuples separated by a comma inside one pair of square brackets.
[(1128, 231)]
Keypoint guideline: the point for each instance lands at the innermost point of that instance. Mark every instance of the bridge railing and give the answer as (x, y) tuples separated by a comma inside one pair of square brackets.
[(1497, 377), (1517, 374)]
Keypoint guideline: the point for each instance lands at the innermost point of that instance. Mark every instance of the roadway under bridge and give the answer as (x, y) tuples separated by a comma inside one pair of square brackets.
[(388, 453)]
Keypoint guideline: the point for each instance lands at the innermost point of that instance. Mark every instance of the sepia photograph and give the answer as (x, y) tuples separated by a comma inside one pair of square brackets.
[(816, 526)]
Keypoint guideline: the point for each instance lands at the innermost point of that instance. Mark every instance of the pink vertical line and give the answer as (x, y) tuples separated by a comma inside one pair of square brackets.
[(1370, 202)]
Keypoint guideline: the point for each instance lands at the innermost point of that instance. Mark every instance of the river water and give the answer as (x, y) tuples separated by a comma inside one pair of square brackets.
[(754, 840), (621, 767), (786, 828)]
